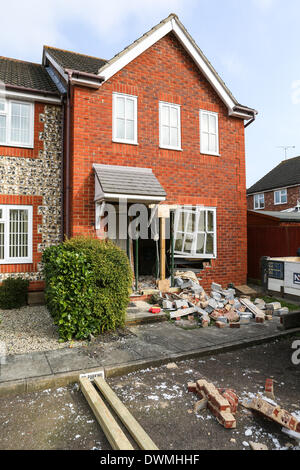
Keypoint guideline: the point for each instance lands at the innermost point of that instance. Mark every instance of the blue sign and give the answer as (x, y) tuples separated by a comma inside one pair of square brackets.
[(297, 278)]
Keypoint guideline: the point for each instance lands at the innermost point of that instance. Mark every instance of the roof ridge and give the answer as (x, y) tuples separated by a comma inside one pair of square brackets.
[(73, 52)]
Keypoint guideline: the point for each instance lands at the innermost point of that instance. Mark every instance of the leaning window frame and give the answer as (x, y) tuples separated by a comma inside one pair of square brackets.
[(257, 206), (4, 218), (116, 139), (280, 191), (196, 210), (8, 113)]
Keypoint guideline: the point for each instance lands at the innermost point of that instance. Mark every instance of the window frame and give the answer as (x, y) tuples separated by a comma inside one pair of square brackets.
[(178, 108), (280, 191), (196, 210), (8, 114), (116, 139), (203, 112), (5, 218), (254, 201)]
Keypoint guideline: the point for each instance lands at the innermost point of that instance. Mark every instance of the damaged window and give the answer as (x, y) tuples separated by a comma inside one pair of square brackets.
[(195, 232)]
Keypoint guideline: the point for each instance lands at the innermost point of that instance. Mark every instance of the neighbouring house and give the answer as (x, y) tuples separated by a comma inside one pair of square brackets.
[(154, 125), (278, 190), (271, 233), (31, 152)]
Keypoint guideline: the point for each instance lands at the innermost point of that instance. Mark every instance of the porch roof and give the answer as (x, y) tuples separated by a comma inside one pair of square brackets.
[(136, 184)]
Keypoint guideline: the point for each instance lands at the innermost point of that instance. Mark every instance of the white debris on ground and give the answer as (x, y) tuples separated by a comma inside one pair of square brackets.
[(30, 329), (193, 307)]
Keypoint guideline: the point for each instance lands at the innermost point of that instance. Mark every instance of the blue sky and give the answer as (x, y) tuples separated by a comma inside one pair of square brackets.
[(253, 44)]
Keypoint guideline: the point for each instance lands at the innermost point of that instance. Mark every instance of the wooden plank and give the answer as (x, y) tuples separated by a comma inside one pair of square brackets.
[(253, 308), (135, 429), (162, 249), (112, 430), (183, 312)]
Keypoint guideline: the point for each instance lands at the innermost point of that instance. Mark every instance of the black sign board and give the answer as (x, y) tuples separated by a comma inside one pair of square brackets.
[(276, 270)]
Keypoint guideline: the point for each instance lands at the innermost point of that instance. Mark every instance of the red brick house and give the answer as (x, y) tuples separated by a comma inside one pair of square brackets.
[(278, 190), (156, 125)]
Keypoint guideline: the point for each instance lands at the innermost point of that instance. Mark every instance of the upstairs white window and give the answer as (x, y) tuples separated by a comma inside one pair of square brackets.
[(259, 201), (209, 133), (169, 126), (195, 232), (15, 234), (280, 197), (124, 118), (16, 123)]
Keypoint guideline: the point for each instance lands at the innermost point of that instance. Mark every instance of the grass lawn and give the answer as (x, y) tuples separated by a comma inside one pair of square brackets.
[(290, 306)]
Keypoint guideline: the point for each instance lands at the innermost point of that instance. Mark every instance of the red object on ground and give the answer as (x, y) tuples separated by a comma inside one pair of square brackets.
[(154, 310)]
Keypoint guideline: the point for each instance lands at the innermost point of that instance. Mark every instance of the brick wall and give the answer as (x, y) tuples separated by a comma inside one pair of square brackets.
[(165, 72), (293, 195)]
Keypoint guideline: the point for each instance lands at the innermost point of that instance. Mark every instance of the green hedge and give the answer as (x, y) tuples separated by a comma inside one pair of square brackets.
[(87, 286), (13, 293)]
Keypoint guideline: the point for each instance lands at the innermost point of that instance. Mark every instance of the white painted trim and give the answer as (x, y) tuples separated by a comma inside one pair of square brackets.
[(201, 113), (275, 189), (5, 219), (134, 98), (29, 97), (132, 196), (151, 38), (59, 69), (279, 191), (178, 107), (258, 208), (8, 114), (111, 69)]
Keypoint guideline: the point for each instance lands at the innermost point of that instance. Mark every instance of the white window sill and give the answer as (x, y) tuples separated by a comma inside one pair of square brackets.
[(171, 148), (129, 142), (195, 256), (279, 203), (21, 146), (211, 154), (16, 261)]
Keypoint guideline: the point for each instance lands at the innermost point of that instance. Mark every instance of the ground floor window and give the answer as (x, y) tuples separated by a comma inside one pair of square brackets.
[(15, 234), (195, 232)]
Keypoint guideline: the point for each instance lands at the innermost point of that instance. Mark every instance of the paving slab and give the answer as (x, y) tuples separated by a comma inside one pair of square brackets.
[(67, 360), (23, 366)]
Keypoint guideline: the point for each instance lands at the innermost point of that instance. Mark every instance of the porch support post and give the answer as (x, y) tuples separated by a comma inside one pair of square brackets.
[(162, 248), (136, 273), (172, 246)]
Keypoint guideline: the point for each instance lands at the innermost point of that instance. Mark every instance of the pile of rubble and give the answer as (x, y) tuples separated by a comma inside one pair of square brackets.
[(193, 307), (223, 404)]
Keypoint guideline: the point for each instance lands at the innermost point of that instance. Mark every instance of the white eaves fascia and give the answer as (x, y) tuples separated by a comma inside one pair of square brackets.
[(110, 69)]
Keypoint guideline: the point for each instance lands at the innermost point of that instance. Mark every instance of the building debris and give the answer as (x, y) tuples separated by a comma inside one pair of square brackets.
[(222, 403), (274, 412), (221, 308), (258, 446)]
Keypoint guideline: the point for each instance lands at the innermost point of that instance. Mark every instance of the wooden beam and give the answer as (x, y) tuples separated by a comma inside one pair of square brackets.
[(110, 427), (162, 249), (135, 429)]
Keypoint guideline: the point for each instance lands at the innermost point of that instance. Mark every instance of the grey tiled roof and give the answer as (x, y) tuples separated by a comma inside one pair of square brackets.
[(25, 74), (75, 61), (128, 180), (287, 173)]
